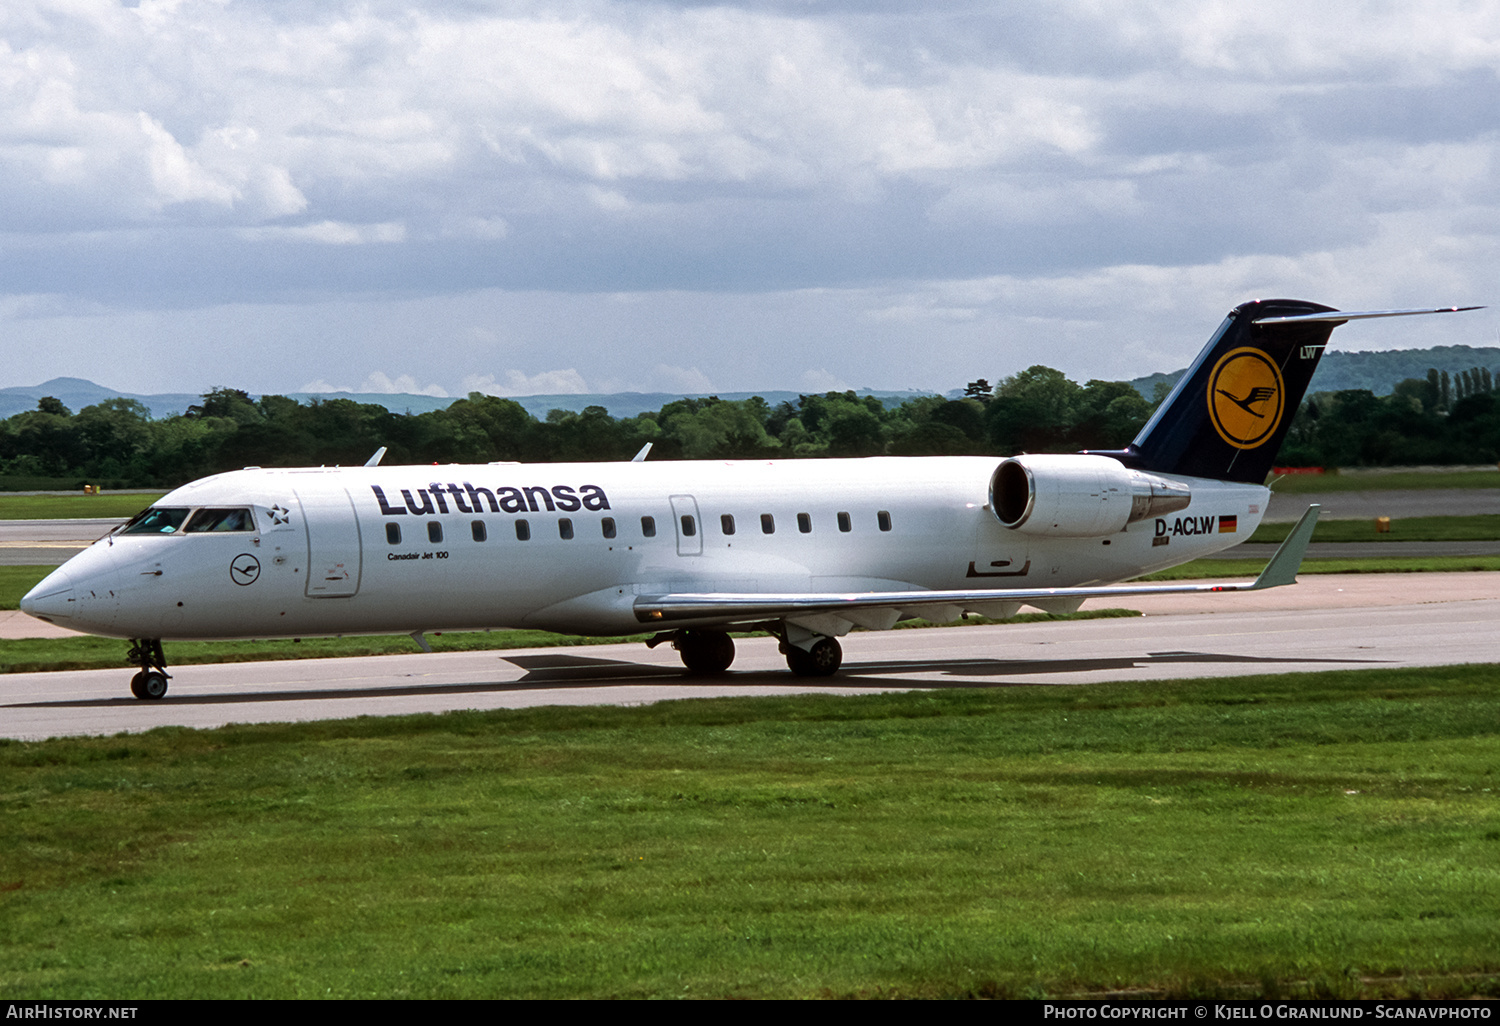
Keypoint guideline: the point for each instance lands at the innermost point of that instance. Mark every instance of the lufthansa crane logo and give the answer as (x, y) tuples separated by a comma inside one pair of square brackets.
[(1245, 397), (244, 569)]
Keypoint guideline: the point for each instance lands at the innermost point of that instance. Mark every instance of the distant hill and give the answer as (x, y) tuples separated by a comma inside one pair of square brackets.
[(1377, 371), (76, 393)]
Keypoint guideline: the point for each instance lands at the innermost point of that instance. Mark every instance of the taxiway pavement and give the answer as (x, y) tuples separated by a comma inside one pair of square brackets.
[(1380, 502), (48, 542)]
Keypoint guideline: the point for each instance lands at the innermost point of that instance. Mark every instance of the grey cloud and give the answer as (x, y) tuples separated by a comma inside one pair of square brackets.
[(285, 153)]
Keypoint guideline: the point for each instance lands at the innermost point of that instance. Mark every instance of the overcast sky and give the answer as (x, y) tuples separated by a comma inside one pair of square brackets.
[(564, 196)]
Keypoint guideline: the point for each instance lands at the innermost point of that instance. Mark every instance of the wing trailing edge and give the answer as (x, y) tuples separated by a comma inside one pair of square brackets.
[(857, 607)]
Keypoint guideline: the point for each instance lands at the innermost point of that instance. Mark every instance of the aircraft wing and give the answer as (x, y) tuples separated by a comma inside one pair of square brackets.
[(884, 608)]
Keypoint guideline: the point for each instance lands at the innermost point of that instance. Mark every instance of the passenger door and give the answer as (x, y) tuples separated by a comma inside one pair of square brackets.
[(333, 543)]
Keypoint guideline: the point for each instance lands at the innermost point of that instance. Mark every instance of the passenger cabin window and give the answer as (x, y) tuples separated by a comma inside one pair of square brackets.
[(565, 529), (726, 523), (156, 520), (477, 529), (844, 524), (884, 520), (689, 528), (804, 523), (434, 532), (767, 524), (648, 527), (523, 530), (607, 525), (393, 534), (216, 520)]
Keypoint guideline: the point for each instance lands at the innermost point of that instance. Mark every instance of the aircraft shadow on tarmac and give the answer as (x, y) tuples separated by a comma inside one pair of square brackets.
[(554, 671)]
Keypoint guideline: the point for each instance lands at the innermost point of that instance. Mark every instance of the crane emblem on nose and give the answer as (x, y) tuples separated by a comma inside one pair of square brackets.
[(244, 569)]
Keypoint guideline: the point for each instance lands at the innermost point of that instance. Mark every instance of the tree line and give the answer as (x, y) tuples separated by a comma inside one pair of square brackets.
[(1439, 419), (118, 444)]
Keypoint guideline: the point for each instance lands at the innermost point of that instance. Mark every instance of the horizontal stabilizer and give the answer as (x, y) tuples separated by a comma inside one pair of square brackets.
[(1342, 316)]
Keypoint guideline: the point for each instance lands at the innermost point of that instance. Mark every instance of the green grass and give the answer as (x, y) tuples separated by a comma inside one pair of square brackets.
[(1485, 527), (1311, 834), (42, 655), (1203, 568), (69, 507), (1378, 480), (16, 581)]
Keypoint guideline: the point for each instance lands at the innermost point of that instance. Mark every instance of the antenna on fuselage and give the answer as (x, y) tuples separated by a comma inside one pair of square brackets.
[(374, 461)]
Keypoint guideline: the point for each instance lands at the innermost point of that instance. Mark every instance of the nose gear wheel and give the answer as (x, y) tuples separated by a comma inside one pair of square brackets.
[(151, 682)]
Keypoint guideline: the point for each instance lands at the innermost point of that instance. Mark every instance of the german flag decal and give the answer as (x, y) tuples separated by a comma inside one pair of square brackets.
[(1229, 524)]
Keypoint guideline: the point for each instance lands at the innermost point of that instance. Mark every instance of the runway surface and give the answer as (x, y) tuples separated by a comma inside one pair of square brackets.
[(1325, 623), (48, 542)]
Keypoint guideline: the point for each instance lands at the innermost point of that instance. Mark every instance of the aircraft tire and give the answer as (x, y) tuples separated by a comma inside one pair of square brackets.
[(705, 652), (152, 685), (823, 660)]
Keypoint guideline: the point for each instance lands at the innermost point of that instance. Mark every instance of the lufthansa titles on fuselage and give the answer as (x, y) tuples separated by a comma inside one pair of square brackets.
[(466, 498)]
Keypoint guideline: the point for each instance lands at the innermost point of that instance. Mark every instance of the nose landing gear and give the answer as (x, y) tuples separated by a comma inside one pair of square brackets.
[(151, 682)]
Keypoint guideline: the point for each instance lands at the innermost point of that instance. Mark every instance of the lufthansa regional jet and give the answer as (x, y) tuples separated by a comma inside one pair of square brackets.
[(803, 549)]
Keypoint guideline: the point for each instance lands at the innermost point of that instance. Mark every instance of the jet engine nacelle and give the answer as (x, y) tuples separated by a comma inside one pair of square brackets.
[(1079, 496)]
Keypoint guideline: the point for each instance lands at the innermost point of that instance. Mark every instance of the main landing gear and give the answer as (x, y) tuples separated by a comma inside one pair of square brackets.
[(711, 652), (706, 652), (151, 682), (821, 660)]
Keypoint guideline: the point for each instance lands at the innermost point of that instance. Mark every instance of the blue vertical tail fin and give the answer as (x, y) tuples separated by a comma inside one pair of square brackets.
[(1231, 409)]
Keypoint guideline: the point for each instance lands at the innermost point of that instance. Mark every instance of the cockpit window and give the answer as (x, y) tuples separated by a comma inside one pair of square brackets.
[(156, 520), (218, 520)]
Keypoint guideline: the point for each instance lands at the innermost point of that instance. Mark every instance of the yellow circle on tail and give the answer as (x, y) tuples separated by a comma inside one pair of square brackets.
[(1245, 397)]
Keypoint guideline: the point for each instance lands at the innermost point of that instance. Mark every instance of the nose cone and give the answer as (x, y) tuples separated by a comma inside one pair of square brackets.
[(51, 600)]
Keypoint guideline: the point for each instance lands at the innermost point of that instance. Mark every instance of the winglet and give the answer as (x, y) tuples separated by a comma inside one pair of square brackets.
[(1283, 567), (374, 461), (640, 457)]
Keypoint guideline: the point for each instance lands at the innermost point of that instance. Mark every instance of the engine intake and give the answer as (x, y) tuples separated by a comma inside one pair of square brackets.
[(1079, 496)]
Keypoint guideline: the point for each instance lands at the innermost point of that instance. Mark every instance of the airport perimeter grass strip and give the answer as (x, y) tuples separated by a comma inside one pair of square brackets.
[(1484, 527), (16, 581), (70, 507), (1385, 480), (44, 655), (1212, 568), (1327, 835)]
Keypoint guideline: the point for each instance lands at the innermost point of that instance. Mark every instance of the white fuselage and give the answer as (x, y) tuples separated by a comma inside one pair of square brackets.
[(318, 558)]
